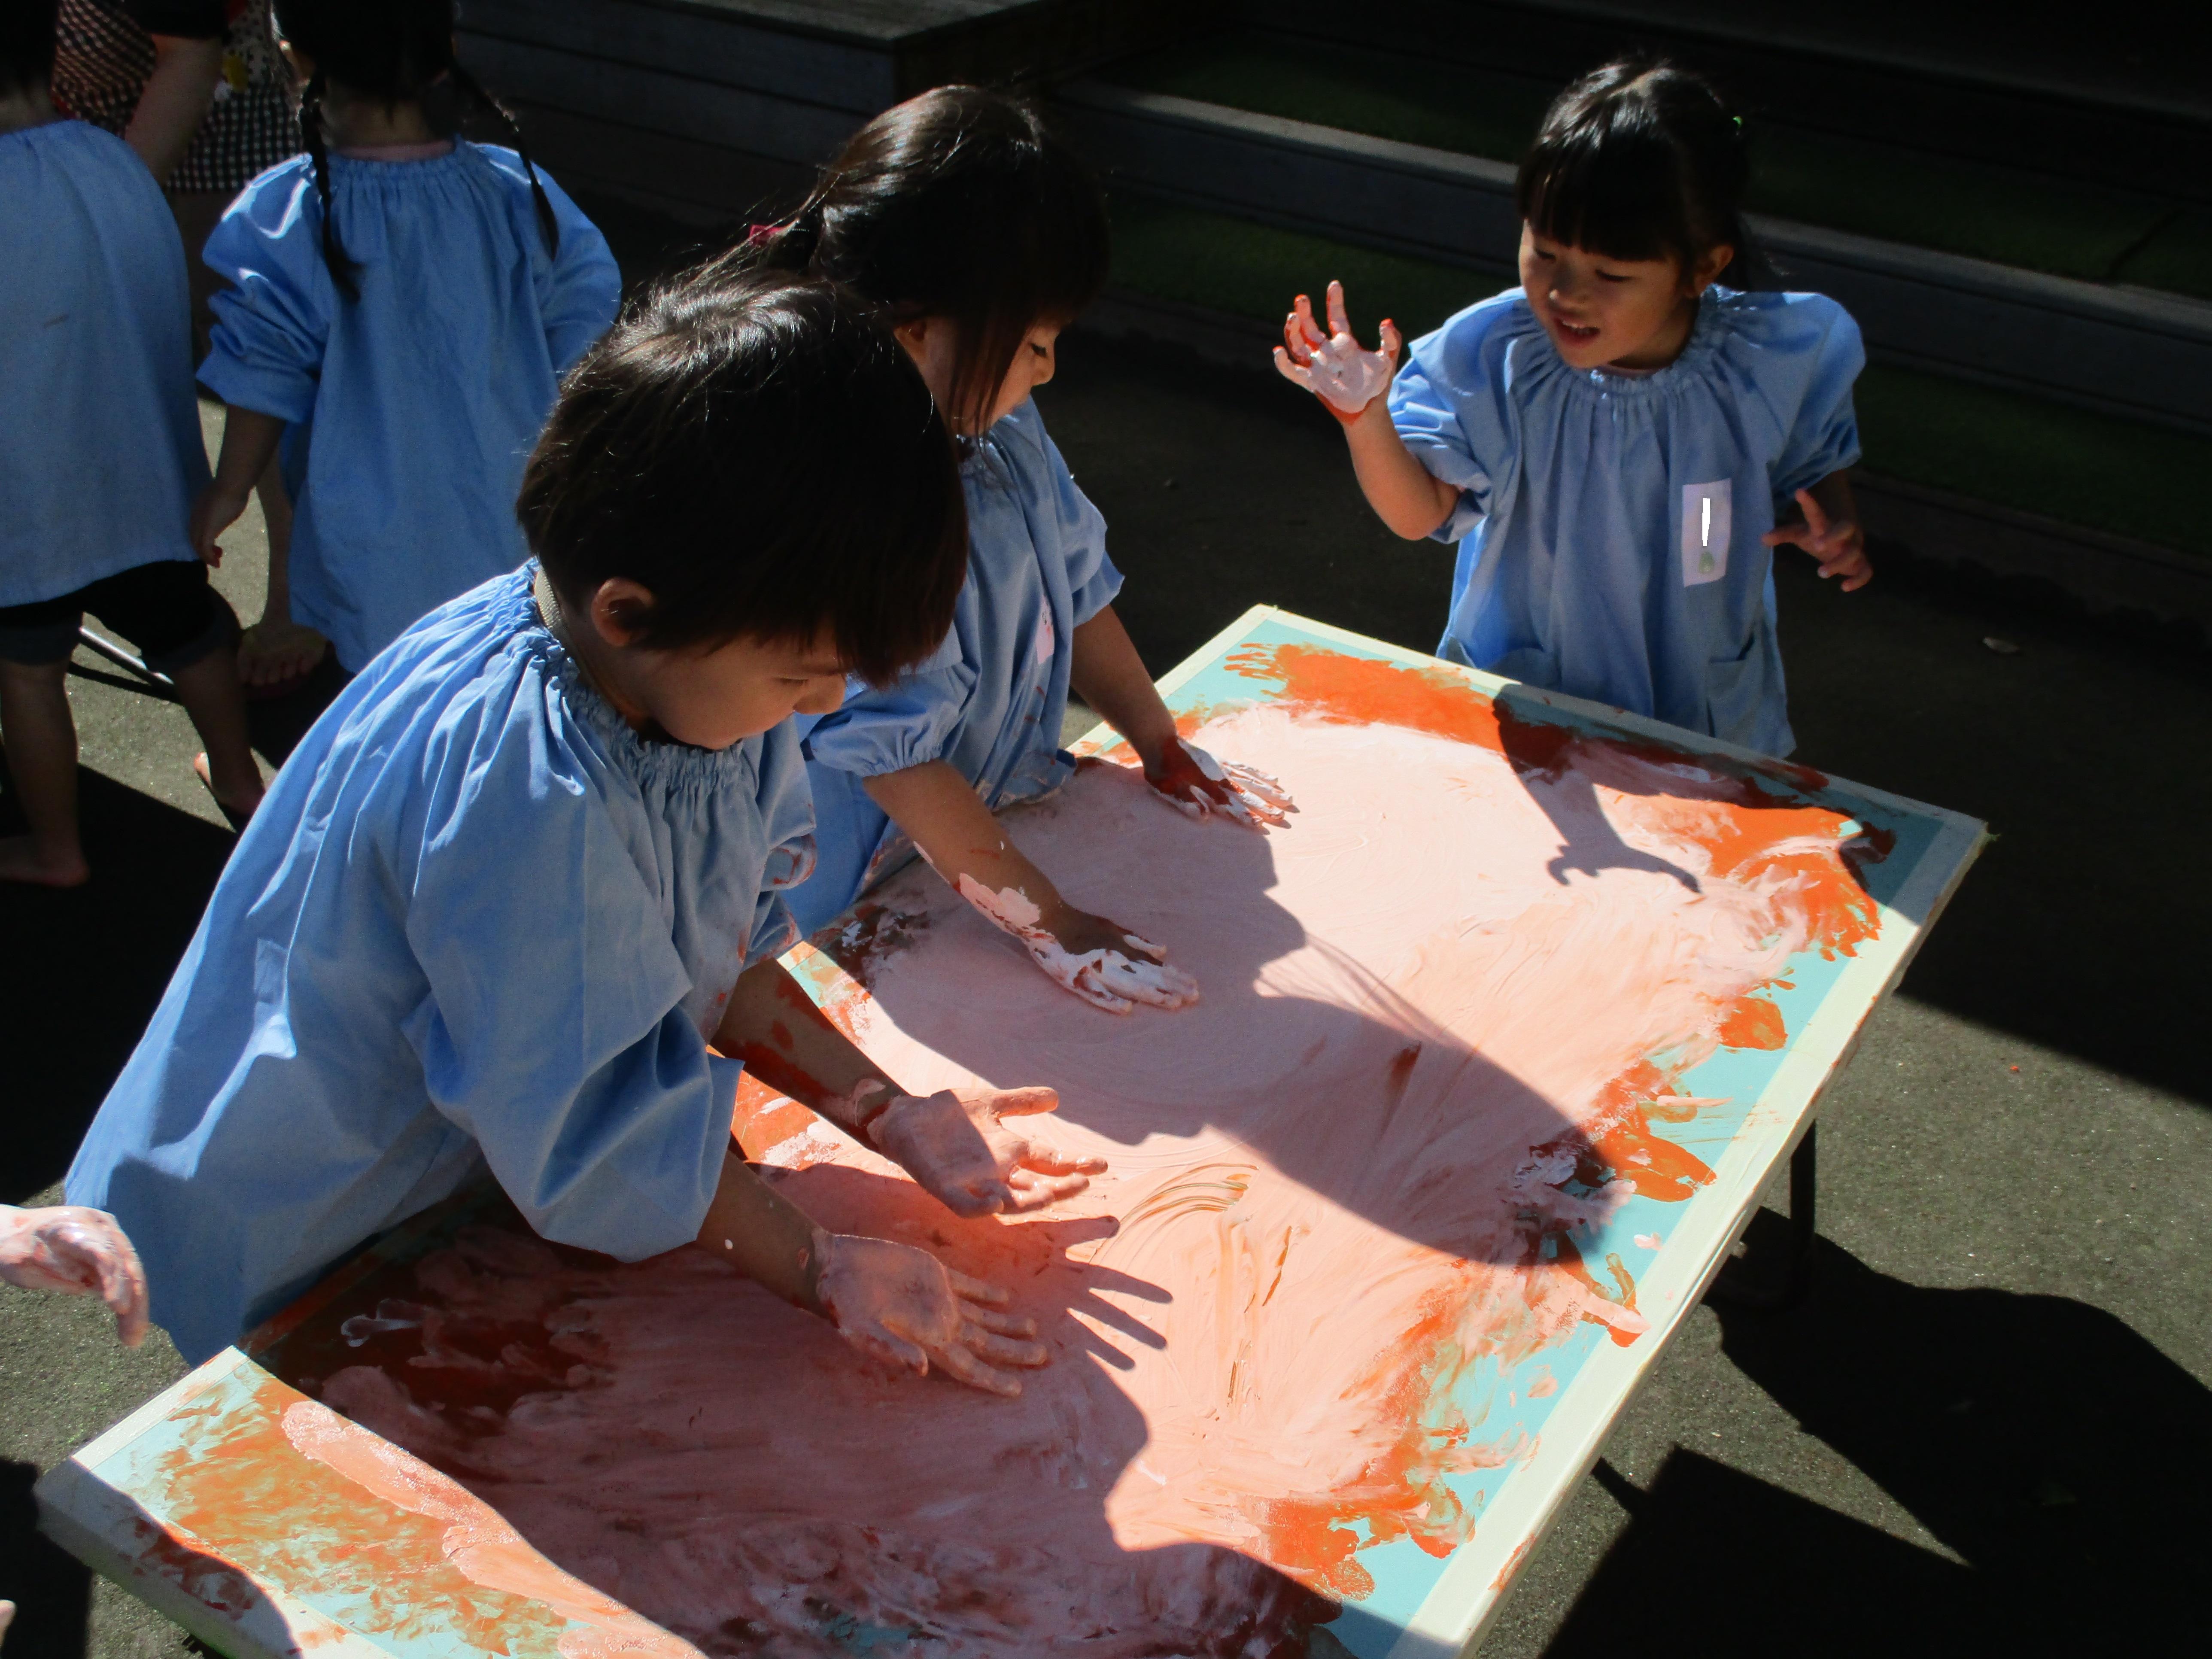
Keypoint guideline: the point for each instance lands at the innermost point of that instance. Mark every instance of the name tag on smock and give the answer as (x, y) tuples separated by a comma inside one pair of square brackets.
[(1706, 521)]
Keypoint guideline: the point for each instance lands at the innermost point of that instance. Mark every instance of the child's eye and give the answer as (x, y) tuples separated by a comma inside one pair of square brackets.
[(1613, 276)]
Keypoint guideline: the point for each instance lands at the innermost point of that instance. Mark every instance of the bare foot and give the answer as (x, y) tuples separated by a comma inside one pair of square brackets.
[(270, 653), (21, 860), (237, 811)]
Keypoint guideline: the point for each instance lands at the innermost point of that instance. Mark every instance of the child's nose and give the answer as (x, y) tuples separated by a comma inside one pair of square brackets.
[(823, 698)]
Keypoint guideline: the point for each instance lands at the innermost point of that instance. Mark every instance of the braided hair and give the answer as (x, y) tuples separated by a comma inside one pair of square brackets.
[(395, 51), (1644, 160)]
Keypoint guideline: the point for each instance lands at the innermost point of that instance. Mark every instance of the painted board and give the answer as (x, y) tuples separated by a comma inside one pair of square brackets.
[(1498, 1046)]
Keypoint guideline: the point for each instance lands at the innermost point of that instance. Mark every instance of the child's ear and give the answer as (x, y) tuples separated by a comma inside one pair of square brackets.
[(1713, 261), (619, 609)]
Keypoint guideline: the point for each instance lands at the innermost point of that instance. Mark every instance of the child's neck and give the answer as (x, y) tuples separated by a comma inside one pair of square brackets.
[(1663, 347), (351, 121), (23, 107)]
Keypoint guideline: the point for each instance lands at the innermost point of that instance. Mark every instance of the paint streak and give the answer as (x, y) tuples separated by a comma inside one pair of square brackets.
[(1753, 1022), (1357, 1190)]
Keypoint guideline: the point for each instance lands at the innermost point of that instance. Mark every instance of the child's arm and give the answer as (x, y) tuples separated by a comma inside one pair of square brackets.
[(1098, 960), (1352, 384), (69, 1249), (249, 444), (174, 102), (956, 1147), (276, 649), (1108, 674), (893, 1301), (1830, 532)]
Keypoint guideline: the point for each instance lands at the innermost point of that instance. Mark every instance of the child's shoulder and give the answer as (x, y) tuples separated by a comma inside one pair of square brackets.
[(1786, 324), (84, 153)]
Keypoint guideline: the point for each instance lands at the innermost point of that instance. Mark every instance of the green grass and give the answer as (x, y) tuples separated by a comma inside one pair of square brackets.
[(2097, 470), (1873, 189)]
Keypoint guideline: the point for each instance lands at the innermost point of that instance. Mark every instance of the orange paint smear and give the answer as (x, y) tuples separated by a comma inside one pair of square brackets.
[(1753, 1022)]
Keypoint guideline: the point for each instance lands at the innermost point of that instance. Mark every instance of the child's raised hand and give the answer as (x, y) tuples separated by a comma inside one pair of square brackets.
[(1100, 961), (959, 1150), (904, 1306), (1197, 785), (1334, 366), (69, 1249), (1838, 544), (217, 508)]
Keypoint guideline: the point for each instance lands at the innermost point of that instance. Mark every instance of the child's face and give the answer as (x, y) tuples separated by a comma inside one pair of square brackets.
[(1635, 314), (711, 698), (933, 343)]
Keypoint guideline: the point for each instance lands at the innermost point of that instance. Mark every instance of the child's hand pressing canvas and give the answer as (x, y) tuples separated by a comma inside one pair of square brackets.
[(1098, 960), (904, 1306), (1197, 786), (1335, 366), (961, 1152)]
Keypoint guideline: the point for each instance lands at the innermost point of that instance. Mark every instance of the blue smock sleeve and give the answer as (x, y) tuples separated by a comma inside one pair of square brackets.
[(552, 1032), (909, 722), (787, 821), (1079, 527), (1824, 436), (580, 289), (1426, 398), (272, 322)]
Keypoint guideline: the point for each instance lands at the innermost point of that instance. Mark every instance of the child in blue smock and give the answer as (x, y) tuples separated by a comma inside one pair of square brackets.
[(533, 861), (1608, 442), (99, 455), (975, 228), (405, 303)]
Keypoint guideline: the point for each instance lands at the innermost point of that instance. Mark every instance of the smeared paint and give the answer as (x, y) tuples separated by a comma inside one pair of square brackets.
[(1753, 1022), (1106, 978), (1358, 1191)]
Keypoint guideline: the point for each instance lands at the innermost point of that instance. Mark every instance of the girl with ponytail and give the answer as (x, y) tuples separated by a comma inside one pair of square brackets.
[(979, 236), (401, 305)]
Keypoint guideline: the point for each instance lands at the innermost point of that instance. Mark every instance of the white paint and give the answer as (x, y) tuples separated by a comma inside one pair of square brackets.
[(1708, 520), (1104, 979)]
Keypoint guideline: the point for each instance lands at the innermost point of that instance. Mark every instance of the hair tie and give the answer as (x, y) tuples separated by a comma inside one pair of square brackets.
[(757, 234)]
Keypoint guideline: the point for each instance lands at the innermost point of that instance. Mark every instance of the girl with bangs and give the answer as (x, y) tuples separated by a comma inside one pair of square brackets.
[(1608, 443), (981, 236)]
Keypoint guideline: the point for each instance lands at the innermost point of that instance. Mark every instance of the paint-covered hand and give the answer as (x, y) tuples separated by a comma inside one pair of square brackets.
[(1100, 961), (960, 1151), (1838, 544), (72, 1250), (1197, 785), (904, 1306), (1335, 366)]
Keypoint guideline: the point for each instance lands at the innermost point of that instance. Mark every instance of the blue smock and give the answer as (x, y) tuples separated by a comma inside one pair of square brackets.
[(414, 408), (99, 434), (990, 701), (1608, 525), (477, 920)]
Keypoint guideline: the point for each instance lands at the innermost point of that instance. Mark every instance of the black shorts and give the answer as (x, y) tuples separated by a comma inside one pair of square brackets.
[(166, 610)]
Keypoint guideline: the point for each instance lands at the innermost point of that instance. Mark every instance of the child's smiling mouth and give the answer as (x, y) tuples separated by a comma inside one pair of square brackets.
[(1579, 333)]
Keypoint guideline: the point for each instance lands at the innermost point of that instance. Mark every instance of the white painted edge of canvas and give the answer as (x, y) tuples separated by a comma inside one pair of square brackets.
[(1452, 1618), (94, 1519)]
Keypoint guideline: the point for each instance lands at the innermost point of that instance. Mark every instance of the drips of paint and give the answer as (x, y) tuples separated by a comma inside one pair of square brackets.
[(1345, 1187)]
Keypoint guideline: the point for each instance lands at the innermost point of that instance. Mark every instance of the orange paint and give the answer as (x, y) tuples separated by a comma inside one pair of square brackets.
[(1753, 1022)]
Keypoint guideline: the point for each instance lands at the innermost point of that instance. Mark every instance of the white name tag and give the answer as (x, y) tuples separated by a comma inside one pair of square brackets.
[(1706, 521)]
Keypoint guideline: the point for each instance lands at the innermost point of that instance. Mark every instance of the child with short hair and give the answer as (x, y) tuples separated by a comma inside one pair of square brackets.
[(982, 236), (99, 455), (1608, 442), (533, 861), (405, 303)]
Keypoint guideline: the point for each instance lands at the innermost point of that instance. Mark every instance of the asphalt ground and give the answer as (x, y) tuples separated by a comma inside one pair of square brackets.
[(1988, 1425)]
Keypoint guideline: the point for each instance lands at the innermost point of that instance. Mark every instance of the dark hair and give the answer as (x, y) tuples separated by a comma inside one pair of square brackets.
[(399, 51), (26, 43), (1642, 160), (760, 455), (960, 204)]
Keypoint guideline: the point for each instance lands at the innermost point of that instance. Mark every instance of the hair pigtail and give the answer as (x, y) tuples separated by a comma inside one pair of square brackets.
[(310, 132), (548, 222)]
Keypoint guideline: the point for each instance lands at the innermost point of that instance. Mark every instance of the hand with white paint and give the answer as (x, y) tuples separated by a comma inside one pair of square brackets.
[(1197, 786), (1102, 962), (70, 1250), (905, 1307), (1335, 366), (1830, 532), (960, 1150)]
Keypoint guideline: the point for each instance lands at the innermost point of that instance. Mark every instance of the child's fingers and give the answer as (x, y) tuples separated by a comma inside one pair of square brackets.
[(976, 1290), (1393, 342), (1308, 330), (1339, 320), (1293, 371), (998, 1323), (1815, 519), (999, 1350), (1036, 1192), (1145, 947), (975, 1373), (1024, 1102)]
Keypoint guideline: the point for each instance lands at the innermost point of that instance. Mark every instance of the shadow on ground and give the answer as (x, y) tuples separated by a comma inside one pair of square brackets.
[(2063, 1460)]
